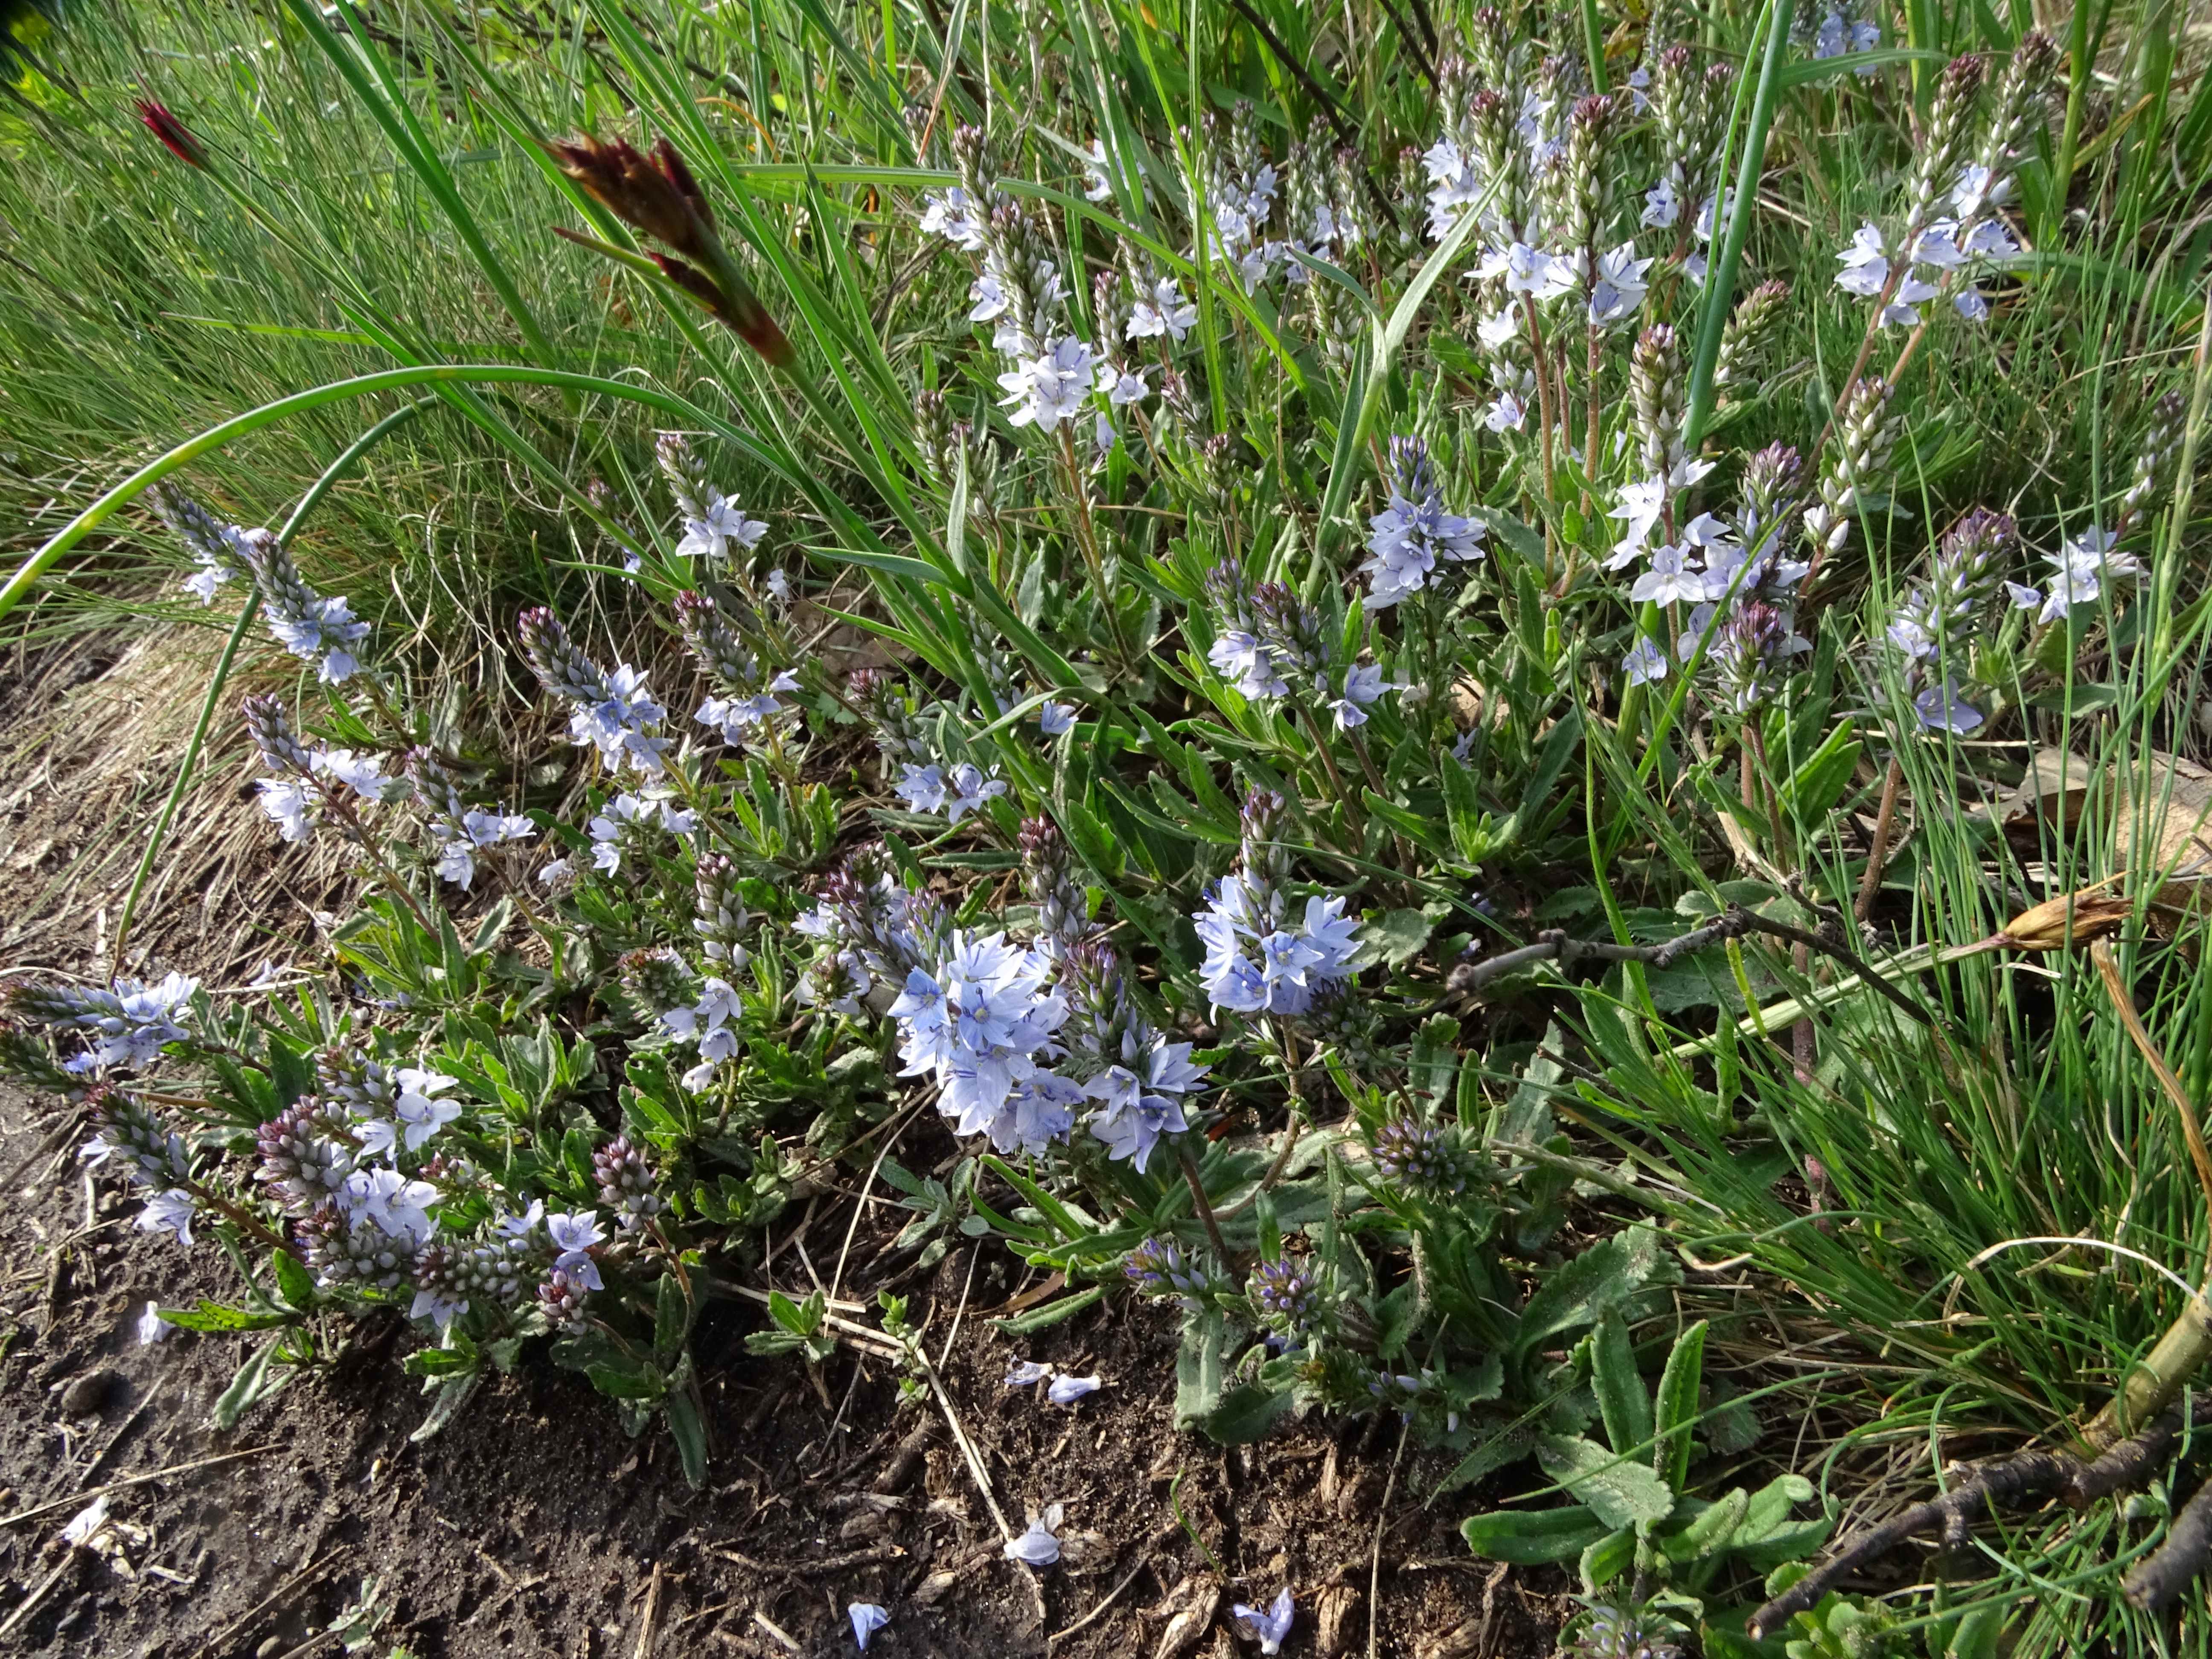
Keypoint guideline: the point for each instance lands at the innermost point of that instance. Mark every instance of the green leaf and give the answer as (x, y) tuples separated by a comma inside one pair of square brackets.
[(294, 1284), (1199, 1367), (1621, 1494), (619, 1383), (672, 1320), (689, 1434), (1052, 1313), (1516, 534), (1602, 1277), (1678, 1406), (221, 1317), (1532, 1539), (251, 1384), (1812, 791), (438, 1362), (1607, 1558), (1623, 1401), (1396, 936), (1246, 1413), (446, 1405), (1710, 1530)]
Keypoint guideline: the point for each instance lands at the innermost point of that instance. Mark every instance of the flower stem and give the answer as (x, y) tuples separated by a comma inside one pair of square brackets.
[(1086, 538), (1188, 1159), (1878, 853)]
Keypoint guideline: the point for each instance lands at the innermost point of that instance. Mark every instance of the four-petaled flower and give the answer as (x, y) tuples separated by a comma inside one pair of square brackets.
[(1270, 1627)]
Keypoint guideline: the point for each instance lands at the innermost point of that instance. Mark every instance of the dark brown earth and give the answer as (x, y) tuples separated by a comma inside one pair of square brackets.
[(533, 1525)]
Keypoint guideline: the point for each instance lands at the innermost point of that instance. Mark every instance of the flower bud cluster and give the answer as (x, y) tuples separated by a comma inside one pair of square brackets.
[(1158, 1268), (1421, 1157), (1750, 334), (1063, 917), (625, 1183), (1858, 457), (127, 1134), (2154, 460), (1286, 1297)]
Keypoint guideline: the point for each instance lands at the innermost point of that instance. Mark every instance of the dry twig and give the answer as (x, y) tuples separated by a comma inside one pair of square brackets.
[(2011, 1483)]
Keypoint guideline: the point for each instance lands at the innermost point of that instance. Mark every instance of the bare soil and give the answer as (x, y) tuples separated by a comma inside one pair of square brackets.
[(533, 1524)]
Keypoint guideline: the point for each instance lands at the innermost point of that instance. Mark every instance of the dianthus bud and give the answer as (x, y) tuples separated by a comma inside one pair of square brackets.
[(656, 194), (2066, 922), (178, 142)]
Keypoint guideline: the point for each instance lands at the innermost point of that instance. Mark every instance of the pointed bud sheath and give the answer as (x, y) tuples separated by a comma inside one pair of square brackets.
[(2068, 922), (659, 197), (171, 132)]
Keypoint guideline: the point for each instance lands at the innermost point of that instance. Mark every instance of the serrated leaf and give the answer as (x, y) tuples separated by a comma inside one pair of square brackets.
[(1677, 1405), (1396, 937), (1602, 1277), (1198, 1367), (223, 1317), (1246, 1413), (1619, 1492), (1623, 1402)]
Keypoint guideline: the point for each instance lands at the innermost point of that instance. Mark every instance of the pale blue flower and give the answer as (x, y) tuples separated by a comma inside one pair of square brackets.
[(1268, 1628), (1645, 662), (867, 1619), (1038, 1547), (169, 1211)]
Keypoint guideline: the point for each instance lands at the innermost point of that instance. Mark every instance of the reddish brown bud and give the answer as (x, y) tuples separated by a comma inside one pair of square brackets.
[(171, 131), (658, 196)]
